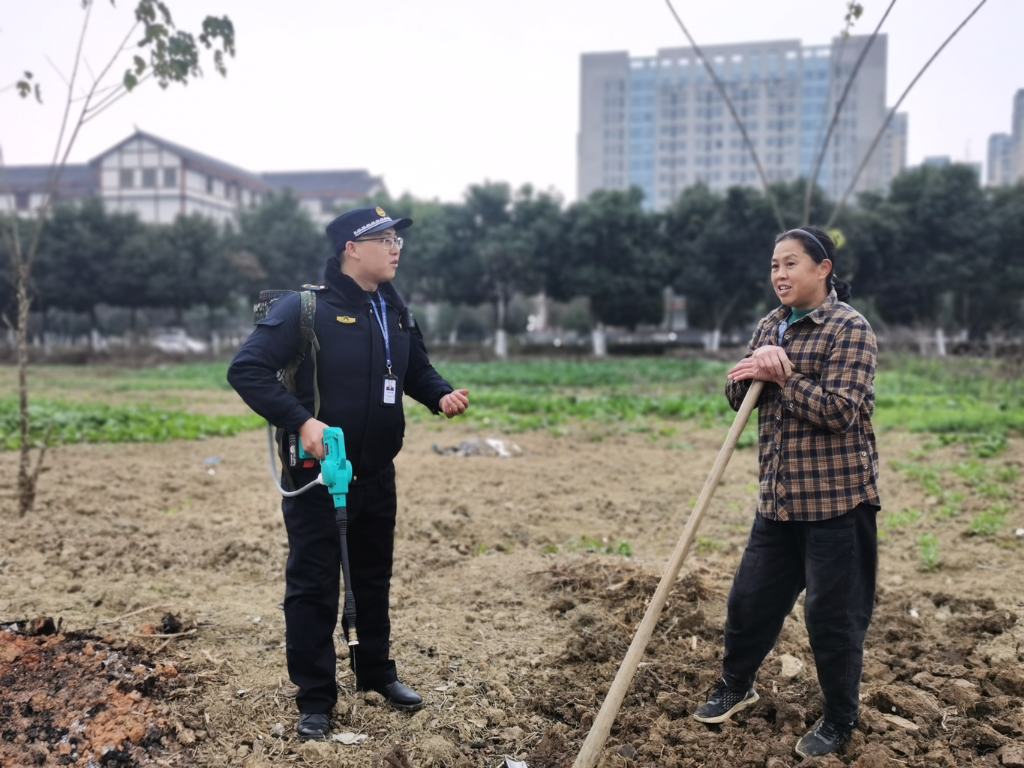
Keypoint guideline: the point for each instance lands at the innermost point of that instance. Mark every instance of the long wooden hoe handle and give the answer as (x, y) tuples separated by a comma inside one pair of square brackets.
[(602, 726)]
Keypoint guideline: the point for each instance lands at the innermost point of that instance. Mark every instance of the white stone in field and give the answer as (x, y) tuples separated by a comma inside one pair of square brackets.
[(791, 665), (902, 722), (349, 738)]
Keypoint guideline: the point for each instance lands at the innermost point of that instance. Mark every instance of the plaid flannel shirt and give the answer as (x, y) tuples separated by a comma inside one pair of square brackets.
[(816, 446)]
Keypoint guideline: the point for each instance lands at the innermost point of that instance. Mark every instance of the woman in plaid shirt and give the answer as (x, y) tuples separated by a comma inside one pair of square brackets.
[(815, 522)]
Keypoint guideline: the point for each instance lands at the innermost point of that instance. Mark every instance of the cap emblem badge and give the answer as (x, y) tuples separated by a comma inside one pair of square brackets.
[(380, 211)]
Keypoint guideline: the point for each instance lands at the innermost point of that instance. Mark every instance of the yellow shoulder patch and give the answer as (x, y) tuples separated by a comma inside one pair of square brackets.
[(346, 319)]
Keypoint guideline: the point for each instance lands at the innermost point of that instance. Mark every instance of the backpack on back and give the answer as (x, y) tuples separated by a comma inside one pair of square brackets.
[(309, 342)]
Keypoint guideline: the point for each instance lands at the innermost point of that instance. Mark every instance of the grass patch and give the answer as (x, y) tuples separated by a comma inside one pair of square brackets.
[(706, 546), (978, 403), (63, 423), (926, 475), (601, 546), (896, 520), (989, 522), (950, 504), (928, 552)]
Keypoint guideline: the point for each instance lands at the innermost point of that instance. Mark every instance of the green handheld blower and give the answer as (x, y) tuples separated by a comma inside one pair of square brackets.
[(336, 474)]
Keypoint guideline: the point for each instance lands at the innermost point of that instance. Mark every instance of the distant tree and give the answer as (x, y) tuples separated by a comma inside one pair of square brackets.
[(160, 52), (685, 222), (927, 242), (1003, 303), (289, 247), (486, 249), (725, 266), (613, 257), (81, 261), (188, 266)]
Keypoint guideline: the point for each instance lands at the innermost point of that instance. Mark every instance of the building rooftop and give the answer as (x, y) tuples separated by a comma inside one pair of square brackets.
[(348, 184), (75, 181), (197, 160)]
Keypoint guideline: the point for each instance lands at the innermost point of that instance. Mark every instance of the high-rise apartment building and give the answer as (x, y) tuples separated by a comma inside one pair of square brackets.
[(657, 122), (1017, 128), (1006, 150), (893, 148), (1000, 159)]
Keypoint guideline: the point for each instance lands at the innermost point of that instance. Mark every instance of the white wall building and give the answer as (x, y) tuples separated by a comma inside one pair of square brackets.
[(159, 180)]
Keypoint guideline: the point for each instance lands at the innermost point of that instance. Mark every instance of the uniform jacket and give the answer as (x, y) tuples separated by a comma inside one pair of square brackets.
[(350, 369), (817, 452)]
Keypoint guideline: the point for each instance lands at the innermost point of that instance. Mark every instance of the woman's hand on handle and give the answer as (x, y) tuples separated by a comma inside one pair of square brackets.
[(769, 363)]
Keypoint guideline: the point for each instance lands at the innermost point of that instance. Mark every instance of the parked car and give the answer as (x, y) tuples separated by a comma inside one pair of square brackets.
[(176, 340)]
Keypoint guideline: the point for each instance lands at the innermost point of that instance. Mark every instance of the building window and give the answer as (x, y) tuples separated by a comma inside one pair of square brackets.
[(21, 200), (209, 185), (149, 177), (170, 177), (127, 179)]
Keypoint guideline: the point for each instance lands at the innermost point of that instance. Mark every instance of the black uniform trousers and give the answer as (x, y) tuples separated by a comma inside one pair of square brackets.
[(313, 579), (836, 561)]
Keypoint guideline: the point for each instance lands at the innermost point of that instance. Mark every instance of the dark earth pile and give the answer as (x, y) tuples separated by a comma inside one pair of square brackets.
[(79, 700)]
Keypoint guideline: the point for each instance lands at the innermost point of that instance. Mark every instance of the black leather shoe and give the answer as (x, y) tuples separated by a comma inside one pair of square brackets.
[(314, 727), (399, 696)]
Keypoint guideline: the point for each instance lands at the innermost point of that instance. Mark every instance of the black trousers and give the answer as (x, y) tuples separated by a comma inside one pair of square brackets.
[(313, 587), (836, 561)]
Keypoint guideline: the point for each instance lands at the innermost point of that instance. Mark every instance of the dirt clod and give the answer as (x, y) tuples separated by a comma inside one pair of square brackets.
[(74, 700)]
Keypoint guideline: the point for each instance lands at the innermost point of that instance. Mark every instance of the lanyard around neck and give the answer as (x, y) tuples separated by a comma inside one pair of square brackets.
[(383, 323)]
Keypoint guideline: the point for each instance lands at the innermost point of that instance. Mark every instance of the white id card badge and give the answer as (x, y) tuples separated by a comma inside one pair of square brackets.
[(390, 388)]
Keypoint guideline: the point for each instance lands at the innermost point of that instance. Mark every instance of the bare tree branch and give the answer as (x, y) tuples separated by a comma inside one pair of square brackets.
[(121, 49), (892, 112), (115, 95), (732, 110), (823, 150), (57, 170), (56, 69)]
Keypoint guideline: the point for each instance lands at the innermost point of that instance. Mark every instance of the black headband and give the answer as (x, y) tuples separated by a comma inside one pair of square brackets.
[(814, 238)]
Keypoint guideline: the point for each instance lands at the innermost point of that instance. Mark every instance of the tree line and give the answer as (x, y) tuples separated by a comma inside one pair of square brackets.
[(937, 250)]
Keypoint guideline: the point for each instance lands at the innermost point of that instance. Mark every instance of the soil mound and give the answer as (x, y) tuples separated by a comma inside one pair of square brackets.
[(79, 700), (934, 693)]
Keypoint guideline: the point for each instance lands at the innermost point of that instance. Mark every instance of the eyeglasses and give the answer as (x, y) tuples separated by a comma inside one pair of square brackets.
[(389, 242)]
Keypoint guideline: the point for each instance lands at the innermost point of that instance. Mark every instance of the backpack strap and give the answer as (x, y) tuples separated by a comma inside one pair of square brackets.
[(309, 342), (307, 319)]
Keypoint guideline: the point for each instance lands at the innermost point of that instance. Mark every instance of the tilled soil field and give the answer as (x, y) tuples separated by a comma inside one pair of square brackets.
[(161, 567)]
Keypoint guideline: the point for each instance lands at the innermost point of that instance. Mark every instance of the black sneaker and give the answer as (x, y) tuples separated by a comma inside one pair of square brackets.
[(723, 703), (824, 739)]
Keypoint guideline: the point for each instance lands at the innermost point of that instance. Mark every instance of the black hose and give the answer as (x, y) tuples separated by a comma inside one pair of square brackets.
[(341, 518)]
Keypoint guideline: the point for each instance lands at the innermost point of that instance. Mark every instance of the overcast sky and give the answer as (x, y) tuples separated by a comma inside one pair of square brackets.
[(434, 96)]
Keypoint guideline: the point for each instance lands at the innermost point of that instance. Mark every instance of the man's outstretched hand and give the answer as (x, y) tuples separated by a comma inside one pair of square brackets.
[(454, 403)]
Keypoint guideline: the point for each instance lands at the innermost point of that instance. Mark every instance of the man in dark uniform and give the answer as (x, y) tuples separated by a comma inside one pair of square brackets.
[(371, 353)]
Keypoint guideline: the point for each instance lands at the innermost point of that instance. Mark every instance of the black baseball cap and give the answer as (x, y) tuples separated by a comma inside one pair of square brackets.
[(359, 223)]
